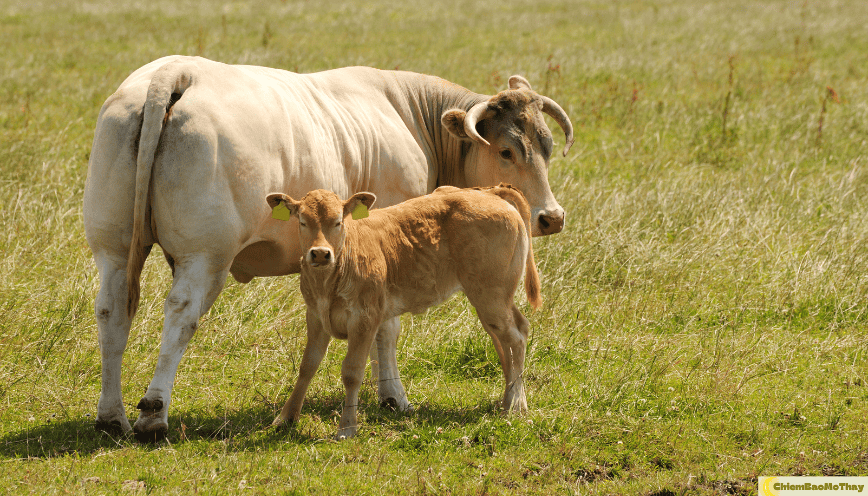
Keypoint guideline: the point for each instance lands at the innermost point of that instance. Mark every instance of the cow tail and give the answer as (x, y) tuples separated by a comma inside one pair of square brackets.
[(166, 88), (531, 275)]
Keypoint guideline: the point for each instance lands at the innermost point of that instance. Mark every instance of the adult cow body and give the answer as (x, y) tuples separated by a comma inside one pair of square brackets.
[(186, 148)]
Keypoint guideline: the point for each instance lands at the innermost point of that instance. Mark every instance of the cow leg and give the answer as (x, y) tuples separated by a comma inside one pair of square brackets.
[(195, 286), (359, 341), (314, 351), (510, 328), (389, 387), (113, 325)]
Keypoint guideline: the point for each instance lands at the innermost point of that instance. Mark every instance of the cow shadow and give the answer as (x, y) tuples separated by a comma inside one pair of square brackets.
[(239, 430)]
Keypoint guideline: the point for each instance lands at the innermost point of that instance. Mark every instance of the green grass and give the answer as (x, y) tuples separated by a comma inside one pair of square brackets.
[(705, 309)]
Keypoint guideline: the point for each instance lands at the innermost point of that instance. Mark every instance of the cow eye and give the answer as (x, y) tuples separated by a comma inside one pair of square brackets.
[(506, 154), (301, 223), (338, 224)]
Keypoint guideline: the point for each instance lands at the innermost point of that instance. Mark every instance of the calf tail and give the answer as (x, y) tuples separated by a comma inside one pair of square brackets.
[(531, 276), (166, 88)]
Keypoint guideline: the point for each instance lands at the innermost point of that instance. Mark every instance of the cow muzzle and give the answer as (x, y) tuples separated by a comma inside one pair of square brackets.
[(320, 256), (550, 222)]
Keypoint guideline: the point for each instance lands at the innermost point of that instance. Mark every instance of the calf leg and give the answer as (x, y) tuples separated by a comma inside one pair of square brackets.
[(114, 331), (314, 351), (359, 341), (389, 387), (197, 282), (510, 328)]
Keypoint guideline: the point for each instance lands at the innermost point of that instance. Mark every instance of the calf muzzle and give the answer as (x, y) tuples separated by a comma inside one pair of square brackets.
[(320, 256)]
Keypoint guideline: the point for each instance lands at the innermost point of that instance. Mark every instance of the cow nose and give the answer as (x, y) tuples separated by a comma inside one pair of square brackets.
[(319, 255), (551, 222)]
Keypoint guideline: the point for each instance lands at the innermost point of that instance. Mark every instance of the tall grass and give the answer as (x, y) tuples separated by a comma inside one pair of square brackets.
[(704, 318)]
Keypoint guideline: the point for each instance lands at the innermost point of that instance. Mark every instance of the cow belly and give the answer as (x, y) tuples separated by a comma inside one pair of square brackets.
[(264, 259)]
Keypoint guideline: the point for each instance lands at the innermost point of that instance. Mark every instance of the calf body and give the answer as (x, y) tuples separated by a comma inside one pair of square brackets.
[(356, 274)]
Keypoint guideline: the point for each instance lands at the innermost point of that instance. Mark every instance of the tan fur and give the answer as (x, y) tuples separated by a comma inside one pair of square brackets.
[(531, 279), (408, 258)]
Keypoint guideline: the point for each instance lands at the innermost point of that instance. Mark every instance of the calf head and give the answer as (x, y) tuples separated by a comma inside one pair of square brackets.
[(321, 218), (512, 144)]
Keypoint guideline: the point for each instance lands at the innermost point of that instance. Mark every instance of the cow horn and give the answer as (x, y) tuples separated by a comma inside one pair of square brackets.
[(558, 114), (477, 113)]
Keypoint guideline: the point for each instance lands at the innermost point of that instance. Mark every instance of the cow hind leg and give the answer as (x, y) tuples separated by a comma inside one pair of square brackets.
[(196, 283), (390, 390), (113, 324)]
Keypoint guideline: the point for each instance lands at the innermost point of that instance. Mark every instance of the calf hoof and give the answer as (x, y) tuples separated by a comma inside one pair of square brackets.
[(113, 427), (515, 407), (281, 425), (152, 426)]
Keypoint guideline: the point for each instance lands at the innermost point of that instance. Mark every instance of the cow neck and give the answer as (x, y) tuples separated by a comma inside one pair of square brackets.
[(428, 98)]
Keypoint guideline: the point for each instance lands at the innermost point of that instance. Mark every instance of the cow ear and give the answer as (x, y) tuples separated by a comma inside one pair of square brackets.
[(275, 199), (364, 198), (453, 121), (519, 83)]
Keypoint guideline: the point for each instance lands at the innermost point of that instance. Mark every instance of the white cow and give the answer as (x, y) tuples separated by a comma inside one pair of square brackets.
[(186, 148)]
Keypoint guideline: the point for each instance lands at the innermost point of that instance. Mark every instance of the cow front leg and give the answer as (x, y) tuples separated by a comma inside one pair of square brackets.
[(195, 286), (390, 390), (113, 325)]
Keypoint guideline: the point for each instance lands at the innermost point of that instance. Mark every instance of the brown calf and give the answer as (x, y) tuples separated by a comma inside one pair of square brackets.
[(357, 273)]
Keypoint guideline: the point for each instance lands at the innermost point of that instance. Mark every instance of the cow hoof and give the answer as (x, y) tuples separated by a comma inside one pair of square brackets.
[(390, 404), (393, 405), (112, 427), (151, 436), (152, 425), (148, 404), (344, 434)]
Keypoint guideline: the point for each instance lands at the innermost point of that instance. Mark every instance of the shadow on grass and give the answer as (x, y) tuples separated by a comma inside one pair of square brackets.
[(239, 430), (59, 438)]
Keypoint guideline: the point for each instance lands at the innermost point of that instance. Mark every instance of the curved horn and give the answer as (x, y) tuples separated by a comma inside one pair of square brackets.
[(558, 114), (477, 113)]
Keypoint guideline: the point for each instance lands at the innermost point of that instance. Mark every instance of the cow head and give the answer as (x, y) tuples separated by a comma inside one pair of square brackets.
[(512, 144), (321, 216)]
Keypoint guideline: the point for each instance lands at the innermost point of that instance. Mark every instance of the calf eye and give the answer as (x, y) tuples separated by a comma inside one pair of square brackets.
[(302, 224), (506, 154), (338, 224)]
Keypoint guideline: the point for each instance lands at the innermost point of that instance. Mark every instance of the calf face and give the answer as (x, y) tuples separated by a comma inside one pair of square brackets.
[(321, 215)]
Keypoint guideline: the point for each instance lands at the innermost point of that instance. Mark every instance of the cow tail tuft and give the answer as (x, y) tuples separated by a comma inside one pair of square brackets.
[(166, 88), (531, 277)]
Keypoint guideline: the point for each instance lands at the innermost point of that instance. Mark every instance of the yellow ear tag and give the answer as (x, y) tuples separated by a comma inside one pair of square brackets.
[(360, 212), (280, 212)]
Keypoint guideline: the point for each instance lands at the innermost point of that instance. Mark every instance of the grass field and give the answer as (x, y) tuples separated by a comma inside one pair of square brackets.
[(705, 308)]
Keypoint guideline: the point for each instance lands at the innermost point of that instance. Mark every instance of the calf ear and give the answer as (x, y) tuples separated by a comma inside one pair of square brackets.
[(364, 198), (453, 121), (275, 199)]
